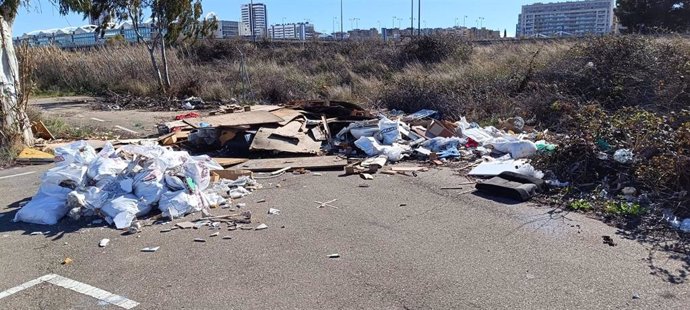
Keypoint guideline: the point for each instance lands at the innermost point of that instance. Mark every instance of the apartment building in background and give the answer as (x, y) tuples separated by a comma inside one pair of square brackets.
[(293, 31), (572, 18), (254, 19)]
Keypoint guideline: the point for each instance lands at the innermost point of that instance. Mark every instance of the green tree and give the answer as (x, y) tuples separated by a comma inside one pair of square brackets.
[(171, 20), (645, 16), (14, 122)]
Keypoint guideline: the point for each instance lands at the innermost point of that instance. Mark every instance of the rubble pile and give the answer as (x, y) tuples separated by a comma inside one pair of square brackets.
[(235, 141), (122, 184)]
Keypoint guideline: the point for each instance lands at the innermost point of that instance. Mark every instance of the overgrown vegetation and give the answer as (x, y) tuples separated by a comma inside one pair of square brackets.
[(595, 95)]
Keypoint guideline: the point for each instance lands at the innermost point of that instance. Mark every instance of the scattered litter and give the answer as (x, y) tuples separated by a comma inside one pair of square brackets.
[(185, 225), (335, 255), (227, 237), (273, 211), (327, 204), (67, 261), (261, 201), (215, 234), (623, 156), (636, 296), (608, 241), (150, 249), (366, 176), (199, 240), (261, 227), (104, 243)]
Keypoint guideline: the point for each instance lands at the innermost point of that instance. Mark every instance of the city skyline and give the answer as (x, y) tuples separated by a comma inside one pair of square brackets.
[(325, 14)]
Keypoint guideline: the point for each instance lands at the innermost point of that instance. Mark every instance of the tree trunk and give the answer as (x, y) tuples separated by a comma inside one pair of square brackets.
[(15, 126), (156, 70), (164, 59)]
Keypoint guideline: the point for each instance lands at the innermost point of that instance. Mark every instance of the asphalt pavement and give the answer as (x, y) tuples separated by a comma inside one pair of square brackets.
[(404, 243)]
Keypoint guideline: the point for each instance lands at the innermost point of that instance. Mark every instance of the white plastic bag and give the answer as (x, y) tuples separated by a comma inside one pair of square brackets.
[(178, 204), (389, 131), (106, 168), (148, 184), (43, 210), (368, 145), (516, 148), (79, 153), (124, 209)]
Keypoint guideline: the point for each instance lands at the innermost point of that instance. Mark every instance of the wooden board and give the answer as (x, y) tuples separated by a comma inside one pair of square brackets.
[(272, 164), (227, 162), (287, 115), (238, 119), (267, 141), (291, 130)]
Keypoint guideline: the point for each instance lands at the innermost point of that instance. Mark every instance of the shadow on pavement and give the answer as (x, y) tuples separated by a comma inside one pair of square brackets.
[(55, 232), (672, 267)]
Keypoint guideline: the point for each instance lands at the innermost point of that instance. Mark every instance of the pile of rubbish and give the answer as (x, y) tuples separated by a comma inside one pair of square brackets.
[(122, 184), (370, 140)]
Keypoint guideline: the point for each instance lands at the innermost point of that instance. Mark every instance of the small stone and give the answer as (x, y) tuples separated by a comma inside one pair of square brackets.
[(199, 240), (67, 261), (104, 243), (166, 230), (364, 185), (334, 255), (273, 211), (241, 205), (261, 227), (403, 205), (227, 237), (278, 186), (214, 234), (150, 249), (636, 296), (262, 200), (232, 228), (246, 228)]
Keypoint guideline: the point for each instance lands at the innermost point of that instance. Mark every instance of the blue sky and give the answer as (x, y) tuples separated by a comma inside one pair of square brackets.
[(497, 14)]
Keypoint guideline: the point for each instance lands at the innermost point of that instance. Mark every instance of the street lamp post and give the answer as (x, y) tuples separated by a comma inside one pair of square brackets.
[(342, 35)]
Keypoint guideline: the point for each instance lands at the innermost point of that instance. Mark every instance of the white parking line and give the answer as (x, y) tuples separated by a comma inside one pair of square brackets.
[(76, 286), (125, 129), (17, 175)]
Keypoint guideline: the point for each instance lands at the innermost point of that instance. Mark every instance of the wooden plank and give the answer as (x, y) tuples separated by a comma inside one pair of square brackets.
[(318, 134), (264, 107), (329, 136), (238, 119), (272, 164), (227, 162)]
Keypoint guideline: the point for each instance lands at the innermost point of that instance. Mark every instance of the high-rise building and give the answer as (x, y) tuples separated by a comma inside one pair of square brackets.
[(227, 29), (295, 31), (254, 20), (573, 18)]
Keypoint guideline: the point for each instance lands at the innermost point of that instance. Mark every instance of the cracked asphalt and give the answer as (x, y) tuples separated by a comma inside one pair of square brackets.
[(403, 242)]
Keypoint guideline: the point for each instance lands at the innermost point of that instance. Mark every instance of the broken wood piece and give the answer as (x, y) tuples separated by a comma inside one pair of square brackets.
[(410, 169), (232, 174), (388, 172), (309, 163), (228, 162), (280, 171), (41, 131), (266, 140), (318, 134), (329, 136), (290, 130), (190, 123), (287, 115)]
